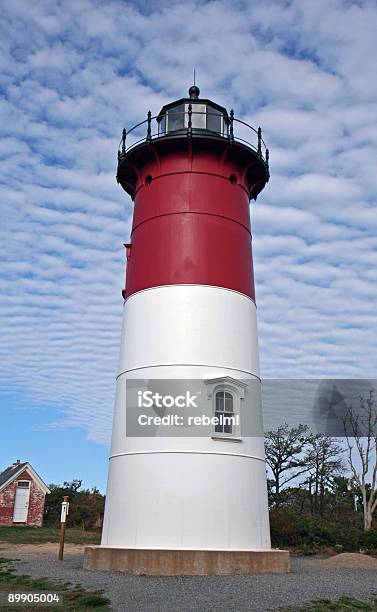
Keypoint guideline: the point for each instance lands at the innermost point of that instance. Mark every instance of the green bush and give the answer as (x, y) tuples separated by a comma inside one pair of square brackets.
[(290, 528), (86, 506), (369, 540), (346, 535)]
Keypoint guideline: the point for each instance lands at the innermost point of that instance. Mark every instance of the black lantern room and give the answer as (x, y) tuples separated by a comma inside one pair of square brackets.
[(201, 115)]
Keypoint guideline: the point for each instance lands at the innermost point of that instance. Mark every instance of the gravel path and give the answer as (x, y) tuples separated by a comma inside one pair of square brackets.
[(308, 580)]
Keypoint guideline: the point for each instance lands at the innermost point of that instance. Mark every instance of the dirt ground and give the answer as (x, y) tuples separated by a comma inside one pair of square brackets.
[(351, 560), (48, 548)]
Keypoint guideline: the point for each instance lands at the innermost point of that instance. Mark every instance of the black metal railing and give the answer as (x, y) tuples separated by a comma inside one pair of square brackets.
[(187, 122)]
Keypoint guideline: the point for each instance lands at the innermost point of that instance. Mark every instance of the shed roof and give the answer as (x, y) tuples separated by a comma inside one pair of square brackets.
[(11, 472)]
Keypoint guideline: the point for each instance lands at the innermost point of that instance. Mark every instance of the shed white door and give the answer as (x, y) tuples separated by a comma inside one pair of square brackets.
[(21, 503)]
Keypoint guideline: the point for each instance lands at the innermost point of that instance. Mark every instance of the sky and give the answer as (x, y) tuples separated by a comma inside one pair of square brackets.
[(73, 74)]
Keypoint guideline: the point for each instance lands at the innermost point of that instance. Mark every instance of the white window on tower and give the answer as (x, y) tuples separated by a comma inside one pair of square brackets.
[(227, 395), (224, 411)]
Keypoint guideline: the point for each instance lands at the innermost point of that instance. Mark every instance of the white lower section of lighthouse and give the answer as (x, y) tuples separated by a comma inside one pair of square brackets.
[(188, 492)]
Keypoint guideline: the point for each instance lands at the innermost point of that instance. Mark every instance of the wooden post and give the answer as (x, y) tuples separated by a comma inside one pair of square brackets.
[(63, 518)]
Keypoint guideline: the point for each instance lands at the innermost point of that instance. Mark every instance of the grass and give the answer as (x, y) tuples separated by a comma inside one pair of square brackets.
[(75, 597), (344, 604), (41, 535)]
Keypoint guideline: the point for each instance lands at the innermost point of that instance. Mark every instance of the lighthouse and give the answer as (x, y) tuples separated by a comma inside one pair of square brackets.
[(187, 487)]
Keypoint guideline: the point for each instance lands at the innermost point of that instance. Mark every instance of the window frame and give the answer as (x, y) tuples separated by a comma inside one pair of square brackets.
[(224, 411), (212, 112), (177, 114), (236, 388), (199, 116), (21, 484)]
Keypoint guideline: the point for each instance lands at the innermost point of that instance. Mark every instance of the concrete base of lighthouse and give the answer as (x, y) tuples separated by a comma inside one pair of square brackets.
[(165, 562)]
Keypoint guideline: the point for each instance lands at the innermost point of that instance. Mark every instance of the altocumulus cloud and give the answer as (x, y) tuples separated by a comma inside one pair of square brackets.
[(74, 73)]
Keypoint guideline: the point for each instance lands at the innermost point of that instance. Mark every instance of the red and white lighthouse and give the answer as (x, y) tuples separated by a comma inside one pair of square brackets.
[(194, 504)]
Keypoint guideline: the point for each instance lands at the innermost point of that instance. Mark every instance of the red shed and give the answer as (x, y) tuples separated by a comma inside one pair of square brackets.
[(22, 495)]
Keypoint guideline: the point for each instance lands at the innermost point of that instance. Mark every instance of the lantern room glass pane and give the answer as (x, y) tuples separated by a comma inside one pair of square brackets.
[(214, 120), (176, 118), (198, 117), (162, 125)]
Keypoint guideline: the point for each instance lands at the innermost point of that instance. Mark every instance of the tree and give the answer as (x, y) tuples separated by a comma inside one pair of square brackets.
[(285, 456), (54, 501), (74, 486), (362, 429), (323, 455), (85, 507), (296, 498), (345, 498)]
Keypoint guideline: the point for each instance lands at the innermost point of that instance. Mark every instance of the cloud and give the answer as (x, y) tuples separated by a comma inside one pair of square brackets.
[(72, 75)]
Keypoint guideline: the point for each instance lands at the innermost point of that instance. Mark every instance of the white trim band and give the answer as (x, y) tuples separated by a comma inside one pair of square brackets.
[(200, 365), (185, 452), (190, 285)]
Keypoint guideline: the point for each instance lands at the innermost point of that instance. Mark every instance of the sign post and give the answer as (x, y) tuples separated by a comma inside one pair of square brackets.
[(63, 519)]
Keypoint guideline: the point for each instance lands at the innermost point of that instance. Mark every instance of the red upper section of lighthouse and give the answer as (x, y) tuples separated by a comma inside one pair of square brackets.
[(191, 184)]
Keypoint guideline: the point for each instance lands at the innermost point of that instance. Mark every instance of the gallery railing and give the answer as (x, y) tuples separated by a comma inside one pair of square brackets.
[(192, 123)]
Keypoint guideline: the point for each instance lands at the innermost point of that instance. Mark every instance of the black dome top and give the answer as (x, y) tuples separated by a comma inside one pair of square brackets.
[(194, 92)]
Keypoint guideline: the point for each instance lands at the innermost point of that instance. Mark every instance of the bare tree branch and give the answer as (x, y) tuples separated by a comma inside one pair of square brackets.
[(362, 428)]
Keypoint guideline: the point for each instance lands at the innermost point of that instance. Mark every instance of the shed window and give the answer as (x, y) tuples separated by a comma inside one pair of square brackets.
[(23, 484)]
